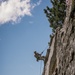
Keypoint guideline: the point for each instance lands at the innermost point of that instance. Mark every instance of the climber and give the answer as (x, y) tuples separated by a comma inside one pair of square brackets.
[(39, 56)]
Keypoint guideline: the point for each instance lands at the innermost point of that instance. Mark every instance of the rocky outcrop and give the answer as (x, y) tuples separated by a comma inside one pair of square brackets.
[(60, 58)]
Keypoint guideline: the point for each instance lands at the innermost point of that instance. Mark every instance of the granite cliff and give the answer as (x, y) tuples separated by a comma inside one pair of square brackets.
[(60, 57)]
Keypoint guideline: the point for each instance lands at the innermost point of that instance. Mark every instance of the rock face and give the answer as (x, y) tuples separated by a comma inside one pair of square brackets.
[(60, 58)]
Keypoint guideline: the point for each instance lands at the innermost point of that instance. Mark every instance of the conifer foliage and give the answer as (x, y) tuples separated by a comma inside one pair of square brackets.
[(56, 14)]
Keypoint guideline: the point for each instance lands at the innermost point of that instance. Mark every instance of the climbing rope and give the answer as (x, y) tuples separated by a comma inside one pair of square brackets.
[(41, 61), (40, 66), (44, 50)]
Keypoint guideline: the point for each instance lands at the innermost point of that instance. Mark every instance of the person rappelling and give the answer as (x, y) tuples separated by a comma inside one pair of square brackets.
[(39, 56)]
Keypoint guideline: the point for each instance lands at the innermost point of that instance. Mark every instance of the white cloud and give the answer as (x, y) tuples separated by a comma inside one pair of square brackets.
[(13, 10), (37, 4)]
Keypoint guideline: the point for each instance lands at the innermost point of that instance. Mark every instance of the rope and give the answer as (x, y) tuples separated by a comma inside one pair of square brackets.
[(44, 50), (40, 67), (41, 61)]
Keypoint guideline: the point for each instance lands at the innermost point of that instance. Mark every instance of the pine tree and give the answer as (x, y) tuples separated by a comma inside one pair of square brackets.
[(56, 14)]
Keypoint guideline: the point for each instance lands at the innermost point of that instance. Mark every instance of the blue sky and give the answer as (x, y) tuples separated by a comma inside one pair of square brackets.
[(19, 40)]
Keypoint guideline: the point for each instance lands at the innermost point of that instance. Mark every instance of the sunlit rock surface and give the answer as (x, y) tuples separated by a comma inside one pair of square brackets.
[(60, 57)]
